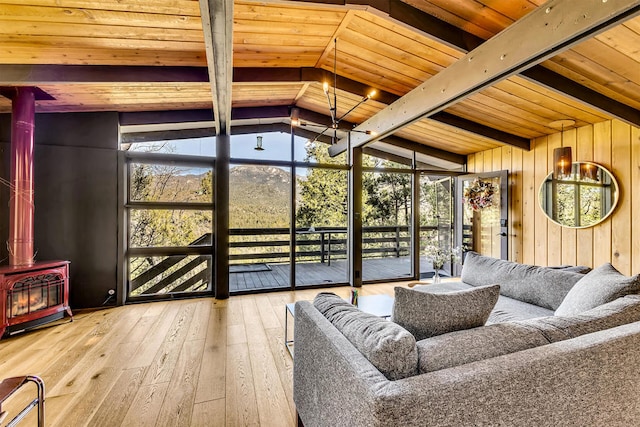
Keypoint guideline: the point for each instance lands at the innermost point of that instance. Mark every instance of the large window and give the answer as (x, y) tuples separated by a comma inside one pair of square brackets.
[(288, 216), (169, 222)]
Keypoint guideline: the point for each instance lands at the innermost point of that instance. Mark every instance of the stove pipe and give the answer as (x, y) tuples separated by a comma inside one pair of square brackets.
[(21, 207)]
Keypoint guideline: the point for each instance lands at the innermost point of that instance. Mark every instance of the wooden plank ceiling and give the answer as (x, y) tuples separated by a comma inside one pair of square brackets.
[(149, 55)]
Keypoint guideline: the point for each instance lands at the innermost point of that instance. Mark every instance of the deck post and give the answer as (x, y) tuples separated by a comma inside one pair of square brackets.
[(221, 217), (414, 231), (292, 214), (355, 218)]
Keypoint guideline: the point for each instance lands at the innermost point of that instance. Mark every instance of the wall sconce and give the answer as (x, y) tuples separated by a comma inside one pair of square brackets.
[(562, 158), (258, 146)]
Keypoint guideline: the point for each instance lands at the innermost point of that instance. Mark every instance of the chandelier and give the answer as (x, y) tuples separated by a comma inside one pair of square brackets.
[(332, 100)]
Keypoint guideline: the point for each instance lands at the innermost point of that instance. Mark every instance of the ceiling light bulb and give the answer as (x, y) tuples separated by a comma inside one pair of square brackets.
[(325, 87), (371, 94)]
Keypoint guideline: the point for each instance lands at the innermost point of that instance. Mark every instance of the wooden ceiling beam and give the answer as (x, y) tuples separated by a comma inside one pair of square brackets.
[(167, 135), (162, 117), (536, 37), (387, 156), (11, 74), (426, 150), (554, 81), (480, 129), (266, 112), (456, 38), (217, 25)]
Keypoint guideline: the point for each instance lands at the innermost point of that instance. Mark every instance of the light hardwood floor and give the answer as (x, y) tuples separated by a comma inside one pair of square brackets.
[(199, 362)]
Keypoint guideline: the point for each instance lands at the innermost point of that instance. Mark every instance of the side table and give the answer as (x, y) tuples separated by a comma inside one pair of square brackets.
[(378, 305)]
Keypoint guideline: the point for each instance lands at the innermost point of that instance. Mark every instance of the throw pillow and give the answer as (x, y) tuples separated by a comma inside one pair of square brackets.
[(388, 346), (426, 315), (542, 286), (600, 286)]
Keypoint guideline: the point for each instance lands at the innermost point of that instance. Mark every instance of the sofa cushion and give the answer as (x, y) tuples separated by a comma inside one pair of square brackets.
[(506, 309), (426, 314), (542, 286), (457, 348), (388, 346), (510, 309), (600, 286), (461, 347), (582, 269), (615, 313)]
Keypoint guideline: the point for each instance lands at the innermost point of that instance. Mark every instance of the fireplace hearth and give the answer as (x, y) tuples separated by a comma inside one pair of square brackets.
[(33, 295)]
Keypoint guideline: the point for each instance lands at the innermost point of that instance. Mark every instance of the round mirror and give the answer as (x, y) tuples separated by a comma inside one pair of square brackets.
[(583, 198)]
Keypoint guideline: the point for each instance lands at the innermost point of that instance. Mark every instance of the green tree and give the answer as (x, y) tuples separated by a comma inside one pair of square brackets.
[(389, 196)]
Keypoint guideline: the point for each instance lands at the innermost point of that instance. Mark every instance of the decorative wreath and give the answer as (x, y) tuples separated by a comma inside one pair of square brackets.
[(479, 194)]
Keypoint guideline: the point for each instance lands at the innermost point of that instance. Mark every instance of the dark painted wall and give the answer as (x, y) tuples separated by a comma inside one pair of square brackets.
[(75, 174)]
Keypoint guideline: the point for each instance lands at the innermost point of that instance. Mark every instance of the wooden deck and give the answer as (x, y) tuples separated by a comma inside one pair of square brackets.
[(319, 274), (199, 362)]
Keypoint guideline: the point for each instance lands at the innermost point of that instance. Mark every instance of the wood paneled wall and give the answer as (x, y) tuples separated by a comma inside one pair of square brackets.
[(536, 240)]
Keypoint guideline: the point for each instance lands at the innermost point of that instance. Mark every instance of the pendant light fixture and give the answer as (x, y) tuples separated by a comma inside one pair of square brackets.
[(332, 101), (333, 104), (562, 158), (258, 146)]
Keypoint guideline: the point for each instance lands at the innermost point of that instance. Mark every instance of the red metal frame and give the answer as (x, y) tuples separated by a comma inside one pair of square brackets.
[(10, 275)]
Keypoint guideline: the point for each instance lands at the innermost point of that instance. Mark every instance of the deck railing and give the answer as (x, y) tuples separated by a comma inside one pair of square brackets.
[(183, 273), (318, 244)]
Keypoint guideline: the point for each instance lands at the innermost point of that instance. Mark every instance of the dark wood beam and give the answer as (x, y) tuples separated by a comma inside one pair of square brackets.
[(416, 19), (309, 134), (267, 112), (522, 45), (479, 129), (387, 156), (35, 74), (10, 92), (424, 149), (167, 135), (322, 119), (160, 117), (570, 88)]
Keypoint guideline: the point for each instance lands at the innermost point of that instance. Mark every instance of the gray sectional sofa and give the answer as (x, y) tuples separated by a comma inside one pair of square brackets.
[(559, 348)]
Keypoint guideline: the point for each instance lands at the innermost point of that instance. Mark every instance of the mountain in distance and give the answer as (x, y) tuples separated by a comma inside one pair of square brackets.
[(266, 178), (259, 196)]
